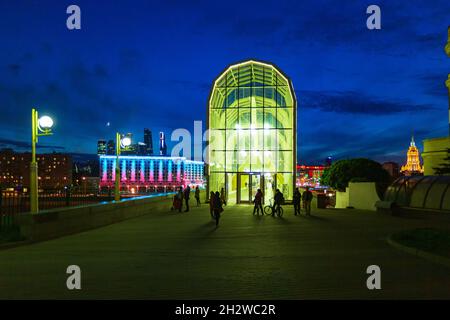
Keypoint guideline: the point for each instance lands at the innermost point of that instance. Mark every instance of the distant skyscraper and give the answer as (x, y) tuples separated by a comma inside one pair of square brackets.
[(111, 148), (141, 149), (328, 161), (148, 142), (162, 144), (412, 166), (101, 147)]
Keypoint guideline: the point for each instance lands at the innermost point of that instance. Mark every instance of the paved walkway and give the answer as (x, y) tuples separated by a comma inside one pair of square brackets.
[(182, 256)]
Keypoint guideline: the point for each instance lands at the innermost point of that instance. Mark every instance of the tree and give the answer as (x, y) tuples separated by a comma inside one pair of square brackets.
[(444, 168), (356, 170)]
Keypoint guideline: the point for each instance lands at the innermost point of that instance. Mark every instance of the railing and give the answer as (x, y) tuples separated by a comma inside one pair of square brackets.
[(14, 202)]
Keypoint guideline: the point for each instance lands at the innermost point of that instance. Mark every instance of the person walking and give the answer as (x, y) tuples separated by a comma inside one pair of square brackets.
[(180, 198), (211, 203), (197, 196), (187, 193), (223, 196), (307, 197), (296, 201), (217, 207), (258, 203)]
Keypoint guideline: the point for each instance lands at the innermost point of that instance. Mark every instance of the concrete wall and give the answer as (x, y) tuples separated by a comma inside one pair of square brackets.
[(59, 222), (342, 199), (359, 195), (434, 152)]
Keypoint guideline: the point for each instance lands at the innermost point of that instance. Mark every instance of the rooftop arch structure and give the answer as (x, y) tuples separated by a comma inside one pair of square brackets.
[(252, 129), (420, 192)]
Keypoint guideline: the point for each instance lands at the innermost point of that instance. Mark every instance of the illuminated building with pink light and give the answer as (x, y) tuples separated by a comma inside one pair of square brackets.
[(309, 176), (150, 173)]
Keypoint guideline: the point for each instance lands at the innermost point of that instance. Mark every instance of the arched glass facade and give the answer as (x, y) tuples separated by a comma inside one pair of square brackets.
[(252, 132), (423, 192)]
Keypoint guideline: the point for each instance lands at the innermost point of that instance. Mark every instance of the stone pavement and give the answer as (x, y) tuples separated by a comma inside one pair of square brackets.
[(182, 256)]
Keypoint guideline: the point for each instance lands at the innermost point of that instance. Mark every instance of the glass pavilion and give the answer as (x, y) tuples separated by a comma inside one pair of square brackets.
[(252, 132)]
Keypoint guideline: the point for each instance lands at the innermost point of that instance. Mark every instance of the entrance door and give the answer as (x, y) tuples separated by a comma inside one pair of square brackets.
[(243, 188), (248, 184)]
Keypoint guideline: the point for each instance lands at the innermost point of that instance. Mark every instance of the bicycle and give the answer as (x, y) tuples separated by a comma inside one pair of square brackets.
[(269, 209)]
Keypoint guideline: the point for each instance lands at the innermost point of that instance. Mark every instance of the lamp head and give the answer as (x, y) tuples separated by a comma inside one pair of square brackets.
[(45, 122), (126, 141)]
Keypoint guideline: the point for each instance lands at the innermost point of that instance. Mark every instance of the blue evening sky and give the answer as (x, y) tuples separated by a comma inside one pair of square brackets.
[(137, 64)]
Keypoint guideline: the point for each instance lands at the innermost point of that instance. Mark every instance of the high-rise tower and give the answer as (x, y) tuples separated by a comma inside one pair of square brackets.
[(101, 147), (148, 142), (412, 166)]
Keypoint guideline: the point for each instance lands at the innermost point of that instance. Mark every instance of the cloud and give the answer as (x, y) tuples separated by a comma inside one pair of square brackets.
[(355, 103), (23, 145), (434, 84)]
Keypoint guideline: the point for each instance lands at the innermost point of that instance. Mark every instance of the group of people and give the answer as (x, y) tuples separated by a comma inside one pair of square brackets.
[(216, 202), (278, 198), (218, 199), (185, 195), (306, 198), (258, 200)]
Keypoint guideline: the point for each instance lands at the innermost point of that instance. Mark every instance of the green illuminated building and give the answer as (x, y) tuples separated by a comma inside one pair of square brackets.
[(252, 132)]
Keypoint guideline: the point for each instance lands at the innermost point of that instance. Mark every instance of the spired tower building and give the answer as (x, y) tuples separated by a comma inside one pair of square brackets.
[(252, 132), (412, 166)]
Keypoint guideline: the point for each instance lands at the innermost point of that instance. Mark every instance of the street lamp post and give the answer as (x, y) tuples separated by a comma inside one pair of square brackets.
[(39, 127), (122, 144)]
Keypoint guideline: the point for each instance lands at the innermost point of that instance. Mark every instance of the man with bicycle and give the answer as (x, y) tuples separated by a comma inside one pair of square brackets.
[(278, 201)]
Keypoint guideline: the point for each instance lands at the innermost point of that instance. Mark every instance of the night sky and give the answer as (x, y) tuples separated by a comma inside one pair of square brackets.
[(137, 64)]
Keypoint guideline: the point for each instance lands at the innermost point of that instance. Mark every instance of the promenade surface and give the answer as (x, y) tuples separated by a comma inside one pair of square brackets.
[(183, 256)]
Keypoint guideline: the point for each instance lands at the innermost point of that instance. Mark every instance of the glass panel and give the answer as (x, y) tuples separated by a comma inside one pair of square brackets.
[(244, 139), (269, 186), (280, 94), (216, 182), (243, 161), (285, 184), (269, 161), (284, 116), (270, 120), (257, 139), (284, 139), (231, 99), (244, 188), (217, 118), (231, 161), (270, 139), (257, 161), (244, 97), (217, 161), (244, 118), (232, 187), (231, 140), (269, 94), (258, 118), (232, 118), (217, 141), (284, 163)]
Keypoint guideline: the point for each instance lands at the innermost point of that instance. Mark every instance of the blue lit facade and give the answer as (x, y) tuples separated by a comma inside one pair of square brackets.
[(150, 173)]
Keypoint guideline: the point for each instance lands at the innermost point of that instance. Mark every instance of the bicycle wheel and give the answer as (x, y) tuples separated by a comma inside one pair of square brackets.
[(268, 210)]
